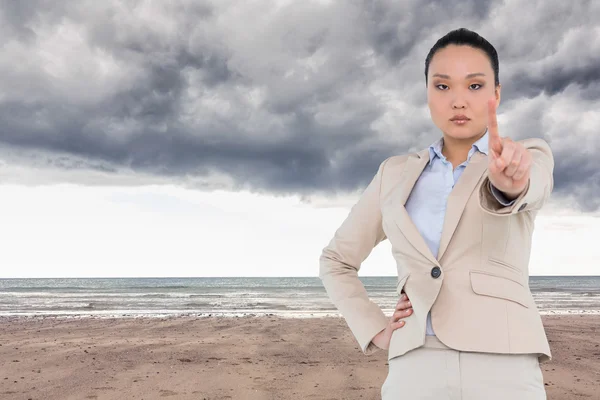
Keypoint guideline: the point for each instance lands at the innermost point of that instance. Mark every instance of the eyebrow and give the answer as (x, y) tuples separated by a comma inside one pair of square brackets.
[(466, 77)]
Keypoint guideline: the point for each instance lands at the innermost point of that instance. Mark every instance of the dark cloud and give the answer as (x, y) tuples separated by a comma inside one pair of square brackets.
[(16, 17), (393, 29), (556, 79), (304, 98), (578, 176)]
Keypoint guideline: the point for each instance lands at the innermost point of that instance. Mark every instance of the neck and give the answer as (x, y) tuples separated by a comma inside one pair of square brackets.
[(456, 150)]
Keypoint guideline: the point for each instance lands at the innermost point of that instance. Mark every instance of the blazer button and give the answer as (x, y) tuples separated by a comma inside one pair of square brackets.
[(436, 272)]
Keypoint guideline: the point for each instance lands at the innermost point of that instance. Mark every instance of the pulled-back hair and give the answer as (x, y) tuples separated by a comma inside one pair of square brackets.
[(465, 37)]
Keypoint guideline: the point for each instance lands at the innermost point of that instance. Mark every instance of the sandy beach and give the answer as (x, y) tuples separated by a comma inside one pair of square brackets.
[(249, 357)]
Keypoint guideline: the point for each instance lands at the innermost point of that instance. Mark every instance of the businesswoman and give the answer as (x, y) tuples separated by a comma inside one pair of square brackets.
[(459, 215)]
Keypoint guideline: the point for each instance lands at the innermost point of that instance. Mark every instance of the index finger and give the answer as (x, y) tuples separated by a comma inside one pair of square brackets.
[(494, 135)]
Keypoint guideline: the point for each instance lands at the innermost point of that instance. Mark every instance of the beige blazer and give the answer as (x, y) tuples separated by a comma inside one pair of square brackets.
[(478, 287)]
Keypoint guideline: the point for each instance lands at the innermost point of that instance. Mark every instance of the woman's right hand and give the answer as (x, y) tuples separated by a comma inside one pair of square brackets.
[(403, 309)]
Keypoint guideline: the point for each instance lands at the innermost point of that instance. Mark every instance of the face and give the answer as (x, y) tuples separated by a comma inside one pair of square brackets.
[(460, 80)]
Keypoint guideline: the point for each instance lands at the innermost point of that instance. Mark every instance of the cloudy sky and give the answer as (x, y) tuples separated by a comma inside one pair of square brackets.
[(230, 138)]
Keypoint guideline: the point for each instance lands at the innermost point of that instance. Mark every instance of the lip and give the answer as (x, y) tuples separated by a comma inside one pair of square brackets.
[(460, 121), (460, 118)]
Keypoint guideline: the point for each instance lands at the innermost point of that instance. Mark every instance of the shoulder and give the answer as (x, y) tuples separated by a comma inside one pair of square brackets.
[(396, 162), (539, 143), (392, 168), (539, 148)]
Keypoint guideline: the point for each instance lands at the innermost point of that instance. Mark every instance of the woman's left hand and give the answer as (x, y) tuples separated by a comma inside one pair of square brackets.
[(509, 161)]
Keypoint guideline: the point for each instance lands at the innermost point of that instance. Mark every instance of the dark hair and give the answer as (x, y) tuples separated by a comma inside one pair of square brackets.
[(465, 37)]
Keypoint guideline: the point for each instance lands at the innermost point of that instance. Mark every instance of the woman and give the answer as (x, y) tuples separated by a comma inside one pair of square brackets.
[(466, 325)]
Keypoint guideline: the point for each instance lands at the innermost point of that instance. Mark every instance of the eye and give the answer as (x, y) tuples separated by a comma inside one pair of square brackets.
[(471, 86)]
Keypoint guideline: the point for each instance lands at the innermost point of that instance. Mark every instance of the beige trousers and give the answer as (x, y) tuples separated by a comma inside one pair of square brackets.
[(437, 372)]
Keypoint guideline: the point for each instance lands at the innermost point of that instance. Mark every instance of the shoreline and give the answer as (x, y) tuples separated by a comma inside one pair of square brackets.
[(230, 314)]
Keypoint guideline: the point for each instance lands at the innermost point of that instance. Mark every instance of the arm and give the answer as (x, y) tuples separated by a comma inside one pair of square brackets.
[(340, 262), (538, 189), (499, 196)]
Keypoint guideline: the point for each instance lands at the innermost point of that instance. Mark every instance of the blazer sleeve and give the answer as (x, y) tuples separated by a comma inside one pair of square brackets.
[(538, 189), (341, 259)]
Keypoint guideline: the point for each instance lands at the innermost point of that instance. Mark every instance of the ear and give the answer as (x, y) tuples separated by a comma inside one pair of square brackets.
[(497, 91)]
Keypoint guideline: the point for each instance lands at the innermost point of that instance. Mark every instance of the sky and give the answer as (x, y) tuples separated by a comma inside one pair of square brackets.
[(231, 138)]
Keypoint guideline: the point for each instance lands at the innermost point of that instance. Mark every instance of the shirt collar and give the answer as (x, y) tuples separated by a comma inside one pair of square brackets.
[(481, 145)]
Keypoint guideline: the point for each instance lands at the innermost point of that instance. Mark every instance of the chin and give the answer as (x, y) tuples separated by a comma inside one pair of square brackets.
[(462, 132)]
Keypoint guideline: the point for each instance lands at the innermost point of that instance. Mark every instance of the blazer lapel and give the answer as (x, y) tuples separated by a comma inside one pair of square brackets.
[(412, 170), (459, 196)]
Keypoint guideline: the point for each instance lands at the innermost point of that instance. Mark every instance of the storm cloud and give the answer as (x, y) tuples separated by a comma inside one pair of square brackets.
[(285, 98)]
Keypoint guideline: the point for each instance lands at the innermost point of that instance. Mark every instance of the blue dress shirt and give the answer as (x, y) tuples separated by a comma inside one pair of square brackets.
[(426, 204)]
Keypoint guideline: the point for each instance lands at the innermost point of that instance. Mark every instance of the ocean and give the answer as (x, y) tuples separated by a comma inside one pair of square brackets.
[(287, 297)]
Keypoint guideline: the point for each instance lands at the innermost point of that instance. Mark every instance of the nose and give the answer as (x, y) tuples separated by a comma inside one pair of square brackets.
[(458, 101), (457, 104)]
